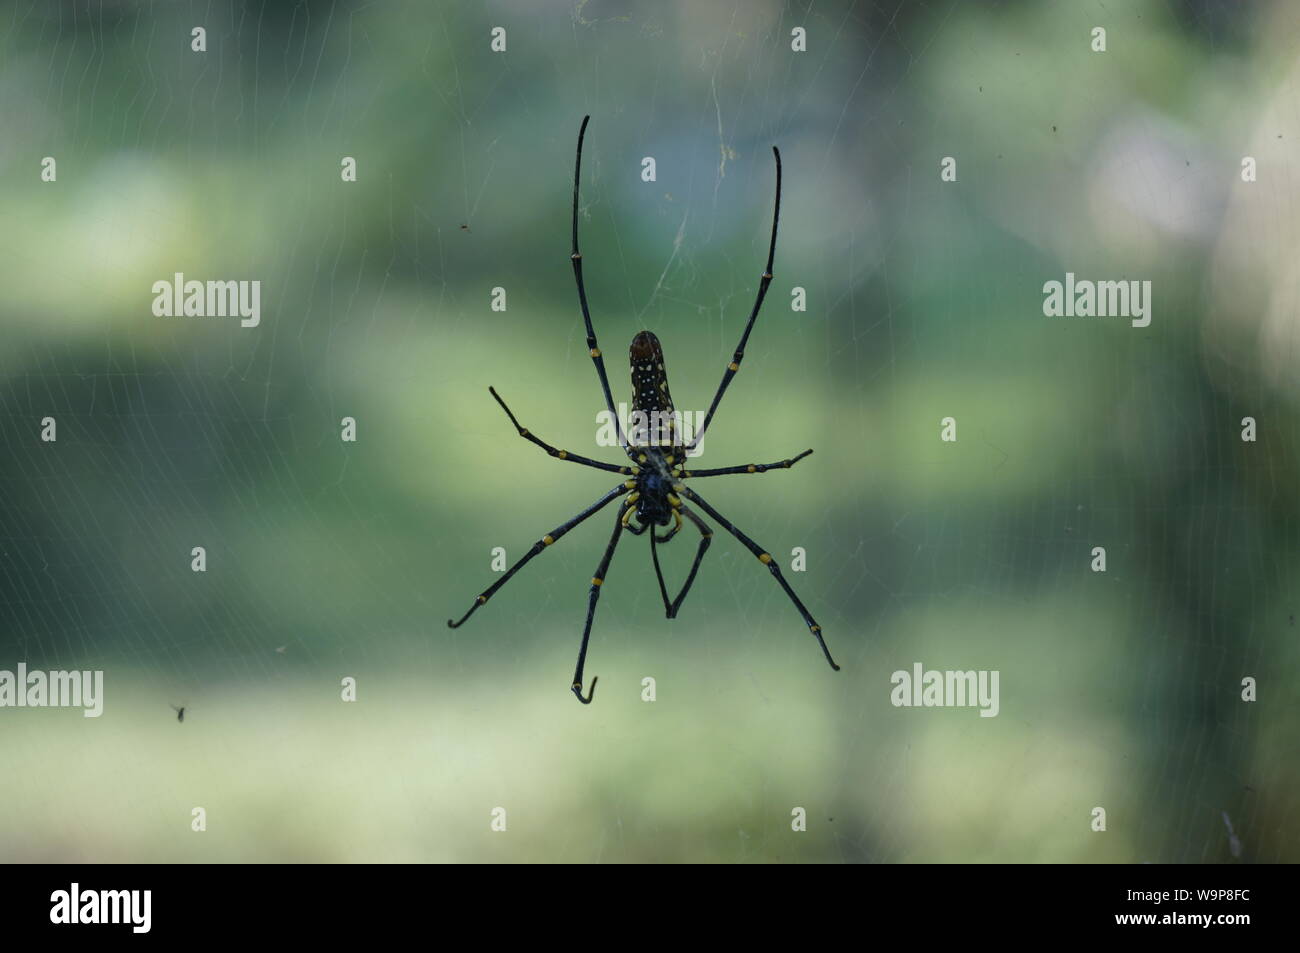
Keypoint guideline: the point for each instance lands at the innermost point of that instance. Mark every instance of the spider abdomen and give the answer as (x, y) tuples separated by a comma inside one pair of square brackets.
[(652, 404)]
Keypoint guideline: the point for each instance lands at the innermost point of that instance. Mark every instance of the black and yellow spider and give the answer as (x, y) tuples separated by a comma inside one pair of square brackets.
[(656, 486)]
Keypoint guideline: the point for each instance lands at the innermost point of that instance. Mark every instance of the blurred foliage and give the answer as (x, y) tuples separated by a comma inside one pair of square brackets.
[(328, 559)]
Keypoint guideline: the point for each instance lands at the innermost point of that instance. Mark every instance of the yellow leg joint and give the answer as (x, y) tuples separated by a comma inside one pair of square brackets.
[(764, 558)]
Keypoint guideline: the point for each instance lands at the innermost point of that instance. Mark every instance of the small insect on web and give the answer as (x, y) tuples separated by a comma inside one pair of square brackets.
[(656, 490)]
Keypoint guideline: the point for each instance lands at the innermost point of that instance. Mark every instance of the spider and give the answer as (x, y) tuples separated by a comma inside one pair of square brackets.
[(655, 492)]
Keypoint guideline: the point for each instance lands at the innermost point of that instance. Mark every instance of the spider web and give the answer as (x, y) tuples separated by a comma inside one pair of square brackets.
[(329, 559)]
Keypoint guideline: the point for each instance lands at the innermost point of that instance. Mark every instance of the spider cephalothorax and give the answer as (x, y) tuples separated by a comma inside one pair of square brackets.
[(655, 488), (653, 496)]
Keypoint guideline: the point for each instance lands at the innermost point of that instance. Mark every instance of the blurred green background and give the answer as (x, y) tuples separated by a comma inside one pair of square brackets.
[(329, 559)]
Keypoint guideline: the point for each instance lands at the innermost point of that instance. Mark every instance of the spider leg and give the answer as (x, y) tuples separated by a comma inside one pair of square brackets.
[(553, 451), (765, 558), (764, 281), (749, 468), (576, 258), (596, 582), (706, 536), (538, 546)]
